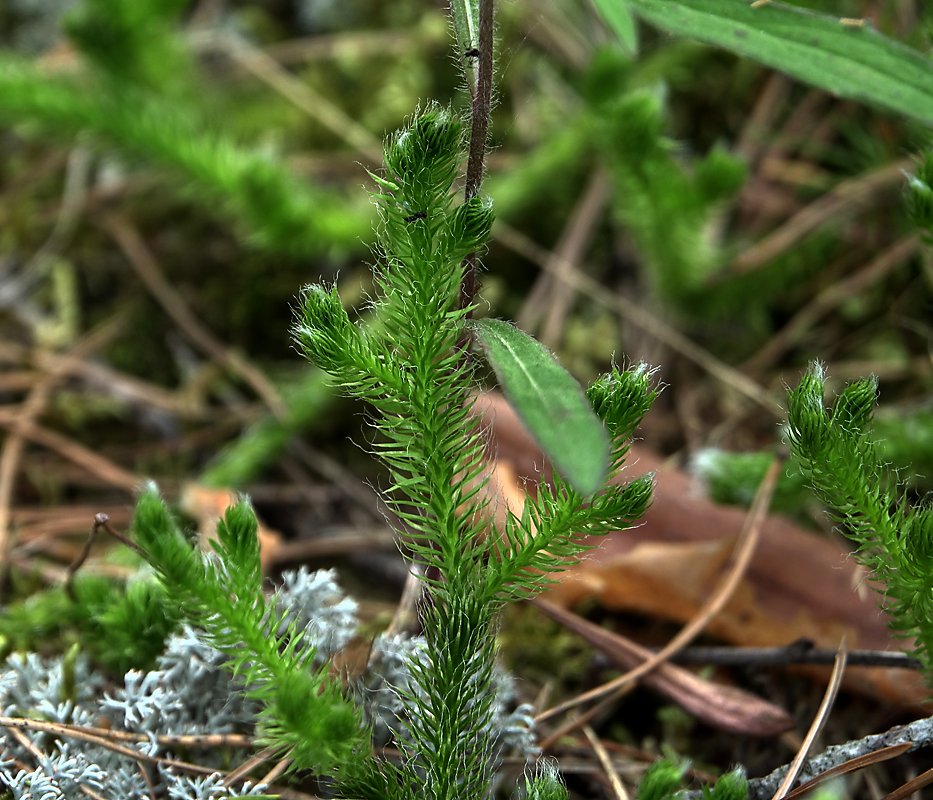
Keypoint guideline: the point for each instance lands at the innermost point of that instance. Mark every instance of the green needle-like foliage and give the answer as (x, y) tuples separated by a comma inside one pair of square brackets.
[(664, 200), (840, 460), (665, 208), (732, 479), (138, 91), (124, 628), (279, 211), (304, 710), (664, 778), (545, 784), (411, 371), (134, 42), (420, 384), (120, 627), (414, 371), (549, 532), (920, 195)]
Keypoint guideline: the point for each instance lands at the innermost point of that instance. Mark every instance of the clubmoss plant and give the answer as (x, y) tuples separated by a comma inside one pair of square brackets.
[(183, 703), (417, 372), (664, 779), (302, 709), (138, 90), (121, 627), (420, 383), (840, 458)]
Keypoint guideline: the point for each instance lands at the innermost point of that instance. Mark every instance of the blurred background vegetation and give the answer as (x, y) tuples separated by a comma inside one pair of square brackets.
[(219, 150)]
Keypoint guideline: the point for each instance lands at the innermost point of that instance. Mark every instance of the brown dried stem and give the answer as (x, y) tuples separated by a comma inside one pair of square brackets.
[(479, 131)]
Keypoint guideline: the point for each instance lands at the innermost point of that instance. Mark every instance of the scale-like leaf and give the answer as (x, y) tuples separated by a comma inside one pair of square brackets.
[(846, 57), (549, 401)]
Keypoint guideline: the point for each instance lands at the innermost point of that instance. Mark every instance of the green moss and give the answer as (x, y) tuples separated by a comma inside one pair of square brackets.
[(733, 479)]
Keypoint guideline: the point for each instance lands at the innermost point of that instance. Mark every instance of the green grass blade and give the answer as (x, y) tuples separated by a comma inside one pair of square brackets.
[(549, 401), (465, 15), (619, 19), (849, 60)]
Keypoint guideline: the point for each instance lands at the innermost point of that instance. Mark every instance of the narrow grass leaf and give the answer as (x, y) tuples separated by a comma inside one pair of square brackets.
[(549, 401), (847, 57), (465, 14), (618, 18)]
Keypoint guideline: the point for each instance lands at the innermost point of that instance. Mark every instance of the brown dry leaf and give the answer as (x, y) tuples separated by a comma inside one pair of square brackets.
[(724, 707), (207, 505), (661, 579), (351, 661), (799, 584)]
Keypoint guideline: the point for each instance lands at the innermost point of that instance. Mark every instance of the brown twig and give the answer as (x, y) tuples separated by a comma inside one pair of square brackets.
[(757, 128), (574, 722), (757, 205), (165, 740), (242, 771), (648, 757), (149, 272), (116, 383), (907, 737), (92, 462), (21, 423), (14, 723), (100, 521), (831, 297), (586, 216), (339, 476), (82, 557), (912, 786), (276, 772), (846, 197), (147, 778), (551, 287), (849, 766), (38, 523), (362, 44), (354, 539), (606, 761), (799, 652), (72, 204), (745, 548), (482, 101), (835, 681), (479, 132), (19, 381), (406, 613), (40, 757), (96, 736), (556, 33), (300, 94)]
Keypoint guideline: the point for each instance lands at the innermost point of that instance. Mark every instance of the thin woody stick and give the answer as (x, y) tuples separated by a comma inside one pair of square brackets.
[(482, 104), (744, 550)]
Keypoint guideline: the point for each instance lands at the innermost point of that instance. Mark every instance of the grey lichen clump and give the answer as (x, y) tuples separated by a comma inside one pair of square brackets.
[(191, 694), (183, 696), (384, 686)]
